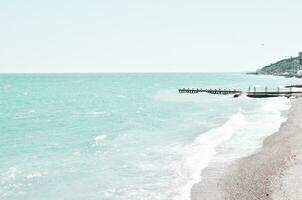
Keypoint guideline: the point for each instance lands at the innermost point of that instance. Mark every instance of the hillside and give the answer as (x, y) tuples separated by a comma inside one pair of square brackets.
[(285, 67)]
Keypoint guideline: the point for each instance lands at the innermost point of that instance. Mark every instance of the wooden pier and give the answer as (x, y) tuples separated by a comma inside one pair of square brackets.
[(293, 86), (275, 93), (210, 91), (251, 93)]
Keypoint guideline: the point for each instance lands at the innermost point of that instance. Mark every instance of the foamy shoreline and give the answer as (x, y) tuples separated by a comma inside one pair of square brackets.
[(270, 173)]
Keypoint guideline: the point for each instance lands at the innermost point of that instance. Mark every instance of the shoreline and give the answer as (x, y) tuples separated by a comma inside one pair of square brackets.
[(269, 173)]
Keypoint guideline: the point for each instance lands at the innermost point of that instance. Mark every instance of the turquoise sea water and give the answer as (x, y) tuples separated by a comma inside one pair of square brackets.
[(124, 136)]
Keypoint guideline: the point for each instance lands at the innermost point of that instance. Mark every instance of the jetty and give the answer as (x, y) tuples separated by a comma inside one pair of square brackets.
[(274, 93), (293, 86), (253, 93), (210, 91)]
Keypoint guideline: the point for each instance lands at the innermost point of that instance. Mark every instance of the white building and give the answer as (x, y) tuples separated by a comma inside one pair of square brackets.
[(299, 73)]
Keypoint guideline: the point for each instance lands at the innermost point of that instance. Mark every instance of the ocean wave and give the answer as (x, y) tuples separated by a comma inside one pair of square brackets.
[(200, 153), (96, 113), (15, 179), (93, 113), (276, 105), (98, 139), (34, 175)]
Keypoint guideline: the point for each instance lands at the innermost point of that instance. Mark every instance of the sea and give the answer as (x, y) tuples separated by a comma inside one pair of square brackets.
[(126, 136)]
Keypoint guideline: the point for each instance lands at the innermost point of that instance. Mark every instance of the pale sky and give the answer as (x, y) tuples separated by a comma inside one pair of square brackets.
[(147, 36)]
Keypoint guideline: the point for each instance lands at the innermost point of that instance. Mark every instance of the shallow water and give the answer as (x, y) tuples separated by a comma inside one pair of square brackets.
[(124, 136)]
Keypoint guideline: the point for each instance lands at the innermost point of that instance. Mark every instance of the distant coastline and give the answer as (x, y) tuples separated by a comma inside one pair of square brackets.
[(290, 67)]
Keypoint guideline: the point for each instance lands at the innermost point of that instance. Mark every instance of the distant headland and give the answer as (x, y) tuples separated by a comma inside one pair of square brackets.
[(290, 67)]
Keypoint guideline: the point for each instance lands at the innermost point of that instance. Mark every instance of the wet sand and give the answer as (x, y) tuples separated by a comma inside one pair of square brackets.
[(274, 172)]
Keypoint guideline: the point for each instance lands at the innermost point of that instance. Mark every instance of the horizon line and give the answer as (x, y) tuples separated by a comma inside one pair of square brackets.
[(155, 72)]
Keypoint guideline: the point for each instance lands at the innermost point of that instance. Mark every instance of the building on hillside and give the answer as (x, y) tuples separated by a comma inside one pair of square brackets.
[(299, 73)]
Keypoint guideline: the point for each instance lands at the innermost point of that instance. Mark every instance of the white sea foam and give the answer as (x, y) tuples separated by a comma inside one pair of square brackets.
[(15, 179), (12, 173), (98, 139), (34, 175), (122, 96), (96, 113), (93, 113), (276, 105), (200, 153)]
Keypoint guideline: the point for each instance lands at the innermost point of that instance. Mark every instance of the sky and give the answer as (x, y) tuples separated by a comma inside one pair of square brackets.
[(38, 36)]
